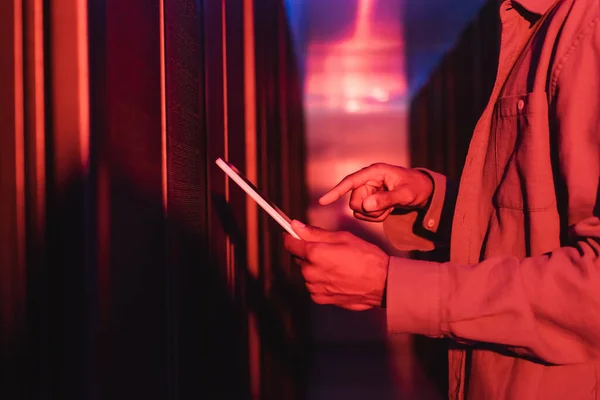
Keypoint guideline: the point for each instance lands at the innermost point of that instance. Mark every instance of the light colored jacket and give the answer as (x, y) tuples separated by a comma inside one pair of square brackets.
[(521, 293)]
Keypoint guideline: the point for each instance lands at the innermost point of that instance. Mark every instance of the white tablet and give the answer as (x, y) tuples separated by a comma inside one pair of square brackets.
[(252, 191)]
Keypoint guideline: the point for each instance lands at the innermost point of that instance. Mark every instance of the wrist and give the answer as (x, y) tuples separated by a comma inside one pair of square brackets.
[(427, 187)]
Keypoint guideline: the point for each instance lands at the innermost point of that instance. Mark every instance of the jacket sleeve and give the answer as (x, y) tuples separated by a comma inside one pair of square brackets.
[(546, 307), (424, 230)]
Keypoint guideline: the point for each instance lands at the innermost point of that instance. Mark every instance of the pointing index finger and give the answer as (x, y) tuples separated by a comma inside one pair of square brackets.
[(338, 191), (350, 182)]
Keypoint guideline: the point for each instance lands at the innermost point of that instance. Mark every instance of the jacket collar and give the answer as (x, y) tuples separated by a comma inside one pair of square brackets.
[(536, 6)]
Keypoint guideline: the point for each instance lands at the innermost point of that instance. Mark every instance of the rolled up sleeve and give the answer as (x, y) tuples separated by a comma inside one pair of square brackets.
[(414, 297)]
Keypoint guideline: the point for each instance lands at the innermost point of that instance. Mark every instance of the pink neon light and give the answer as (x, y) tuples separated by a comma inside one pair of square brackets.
[(360, 73)]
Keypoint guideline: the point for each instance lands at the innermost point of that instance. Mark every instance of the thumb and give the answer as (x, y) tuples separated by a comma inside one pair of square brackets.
[(384, 200), (313, 234), (379, 201)]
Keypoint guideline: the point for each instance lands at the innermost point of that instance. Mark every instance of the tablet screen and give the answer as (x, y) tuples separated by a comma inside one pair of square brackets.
[(253, 192)]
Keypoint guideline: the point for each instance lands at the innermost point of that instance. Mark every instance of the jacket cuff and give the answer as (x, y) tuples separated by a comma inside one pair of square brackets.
[(399, 229), (433, 214), (413, 297), (410, 230)]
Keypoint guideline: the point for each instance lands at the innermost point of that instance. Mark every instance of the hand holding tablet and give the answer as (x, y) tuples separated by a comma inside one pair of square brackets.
[(252, 191)]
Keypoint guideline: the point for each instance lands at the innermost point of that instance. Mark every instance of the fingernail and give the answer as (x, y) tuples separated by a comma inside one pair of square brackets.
[(298, 223)]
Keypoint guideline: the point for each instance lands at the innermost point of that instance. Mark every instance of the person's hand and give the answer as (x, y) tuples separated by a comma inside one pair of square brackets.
[(338, 267), (379, 188)]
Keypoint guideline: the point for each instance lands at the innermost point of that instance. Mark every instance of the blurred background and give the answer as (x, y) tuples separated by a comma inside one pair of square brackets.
[(130, 267)]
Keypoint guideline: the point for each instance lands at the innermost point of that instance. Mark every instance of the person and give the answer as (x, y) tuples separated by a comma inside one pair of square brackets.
[(520, 295)]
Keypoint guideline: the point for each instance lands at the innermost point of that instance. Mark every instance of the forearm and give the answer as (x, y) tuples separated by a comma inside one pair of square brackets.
[(546, 307)]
